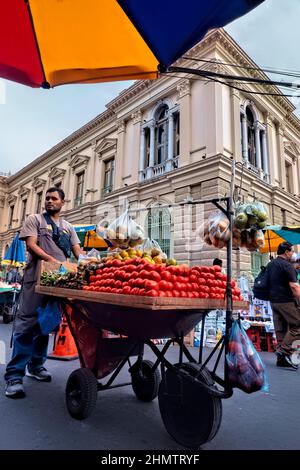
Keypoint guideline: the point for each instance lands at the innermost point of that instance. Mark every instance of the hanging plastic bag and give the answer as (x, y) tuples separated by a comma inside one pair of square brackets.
[(152, 248), (218, 229), (124, 232), (49, 317), (245, 367)]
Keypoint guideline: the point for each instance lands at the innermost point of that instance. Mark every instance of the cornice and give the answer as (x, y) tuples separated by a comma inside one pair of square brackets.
[(56, 172), (105, 145), (38, 182), (78, 160)]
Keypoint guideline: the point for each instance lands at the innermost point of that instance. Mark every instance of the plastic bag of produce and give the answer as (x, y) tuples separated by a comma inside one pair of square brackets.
[(218, 230), (124, 232), (49, 317), (250, 215), (245, 367), (152, 247), (91, 257)]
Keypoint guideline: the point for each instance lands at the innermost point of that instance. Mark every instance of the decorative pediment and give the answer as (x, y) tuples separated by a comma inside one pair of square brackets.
[(23, 192), (11, 199), (105, 145), (56, 173), (291, 148), (38, 182), (78, 160)]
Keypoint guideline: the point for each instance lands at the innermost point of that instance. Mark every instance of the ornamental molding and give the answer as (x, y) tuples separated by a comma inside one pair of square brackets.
[(121, 126), (23, 191), (56, 173), (184, 88), (137, 117), (105, 145), (291, 148), (2, 201), (78, 160), (11, 199), (38, 182)]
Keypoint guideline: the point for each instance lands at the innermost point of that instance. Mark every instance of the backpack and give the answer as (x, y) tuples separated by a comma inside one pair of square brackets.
[(261, 289)]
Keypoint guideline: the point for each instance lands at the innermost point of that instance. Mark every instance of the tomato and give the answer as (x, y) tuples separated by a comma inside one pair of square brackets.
[(175, 293), (201, 281), (126, 290), (204, 269), (163, 285), (192, 278), (189, 287), (168, 293), (152, 293), (144, 274), (135, 291), (149, 267), (190, 295), (183, 293), (92, 279), (181, 279), (154, 276), (179, 286), (149, 285), (166, 276), (114, 290), (161, 293), (195, 286), (142, 292), (196, 294)]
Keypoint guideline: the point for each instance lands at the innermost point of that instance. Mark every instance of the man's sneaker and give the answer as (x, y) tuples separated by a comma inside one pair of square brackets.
[(40, 374), (283, 360), (14, 388)]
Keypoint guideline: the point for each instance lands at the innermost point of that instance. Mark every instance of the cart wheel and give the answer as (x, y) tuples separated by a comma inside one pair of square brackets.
[(145, 381), (81, 393), (190, 414)]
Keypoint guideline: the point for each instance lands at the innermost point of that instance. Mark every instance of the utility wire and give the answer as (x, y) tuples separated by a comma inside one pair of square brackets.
[(289, 73)]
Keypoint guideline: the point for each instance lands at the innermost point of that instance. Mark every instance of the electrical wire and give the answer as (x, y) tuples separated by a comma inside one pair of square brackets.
[(288, 73)]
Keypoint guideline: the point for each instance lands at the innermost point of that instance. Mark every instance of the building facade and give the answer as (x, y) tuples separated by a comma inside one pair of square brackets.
[(167, 142)]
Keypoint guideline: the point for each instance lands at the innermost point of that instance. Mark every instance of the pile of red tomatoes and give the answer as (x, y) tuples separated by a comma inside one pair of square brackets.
[(139, 277)]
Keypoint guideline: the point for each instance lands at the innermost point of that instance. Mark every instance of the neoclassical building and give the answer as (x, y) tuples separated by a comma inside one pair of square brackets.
[(161, 143)]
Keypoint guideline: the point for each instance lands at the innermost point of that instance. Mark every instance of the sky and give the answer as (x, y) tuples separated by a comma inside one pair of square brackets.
[(32, 121)]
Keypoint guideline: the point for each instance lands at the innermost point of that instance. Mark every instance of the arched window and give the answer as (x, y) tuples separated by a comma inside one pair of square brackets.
[(160, 142), (251, 136), (158, 228), (161, 135)]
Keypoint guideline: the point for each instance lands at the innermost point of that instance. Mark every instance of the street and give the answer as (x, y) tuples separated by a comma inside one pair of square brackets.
[(120, 422)]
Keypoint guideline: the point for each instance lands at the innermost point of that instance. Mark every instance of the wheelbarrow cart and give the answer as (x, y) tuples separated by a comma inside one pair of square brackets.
[(189, 394)]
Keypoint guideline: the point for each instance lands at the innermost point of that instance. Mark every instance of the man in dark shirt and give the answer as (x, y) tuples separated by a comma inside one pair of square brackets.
[(285, 301)]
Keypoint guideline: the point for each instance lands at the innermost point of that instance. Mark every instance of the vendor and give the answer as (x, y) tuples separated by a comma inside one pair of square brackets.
[(48, 237)]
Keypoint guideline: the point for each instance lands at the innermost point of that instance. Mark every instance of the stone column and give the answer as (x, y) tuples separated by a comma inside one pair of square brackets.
[(152, 150), (170, 142), (235, 124), (279, 135), (295, 183), (120, 155), (142, 164), (257, 145), (271, 153), (265, 156), (185, 122), (137, 144), (244, 138)]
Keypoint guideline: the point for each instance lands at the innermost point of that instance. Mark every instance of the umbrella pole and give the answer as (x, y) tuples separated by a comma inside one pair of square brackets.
[(269, 245)]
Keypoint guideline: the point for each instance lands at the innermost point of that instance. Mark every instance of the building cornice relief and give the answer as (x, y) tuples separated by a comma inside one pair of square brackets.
[(11, 199), (23, 192), (137, 117), (291, 148), (77, 161), (106, 145), (121, 127), (2, 202), (56, 173), (184, 88), (38, 182)]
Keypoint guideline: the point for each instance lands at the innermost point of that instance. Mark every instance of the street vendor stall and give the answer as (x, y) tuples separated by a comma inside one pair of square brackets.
[(142, 297)]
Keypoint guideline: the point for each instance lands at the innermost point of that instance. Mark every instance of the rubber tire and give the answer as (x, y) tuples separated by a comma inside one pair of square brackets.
[(190, 414), (81, 393), (145, 382)]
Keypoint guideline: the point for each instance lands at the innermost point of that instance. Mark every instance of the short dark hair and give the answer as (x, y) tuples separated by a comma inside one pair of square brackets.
[(217, 262), (54, 189), (283, 247)]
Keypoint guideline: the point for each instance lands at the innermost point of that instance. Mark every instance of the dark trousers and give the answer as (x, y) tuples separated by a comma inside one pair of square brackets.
[(286, 318), (29, 348)]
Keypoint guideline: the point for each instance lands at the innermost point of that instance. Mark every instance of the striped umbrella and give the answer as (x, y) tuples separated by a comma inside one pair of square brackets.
[(15, 255), (45, 43)]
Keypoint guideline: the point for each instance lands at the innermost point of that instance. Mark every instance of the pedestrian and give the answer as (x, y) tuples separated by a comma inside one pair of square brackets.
[(217, 262), (285, 301), (48, 237)]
